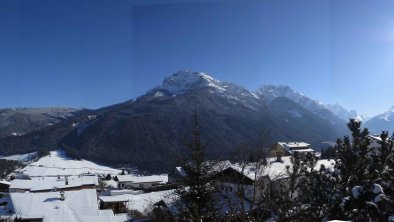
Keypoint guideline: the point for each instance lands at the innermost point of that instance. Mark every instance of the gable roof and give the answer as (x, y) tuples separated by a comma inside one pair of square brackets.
[(274, 169), (49, 183), (78, 206)]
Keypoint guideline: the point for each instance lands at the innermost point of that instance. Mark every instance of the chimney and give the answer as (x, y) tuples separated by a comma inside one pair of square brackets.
[(62, 195), (66, 180)]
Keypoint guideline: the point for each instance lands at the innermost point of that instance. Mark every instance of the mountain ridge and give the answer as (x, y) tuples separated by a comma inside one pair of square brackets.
[(150, 131)]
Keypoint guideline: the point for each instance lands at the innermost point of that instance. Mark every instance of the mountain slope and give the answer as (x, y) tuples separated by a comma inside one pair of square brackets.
[(270, 92), (345, 114), (151, 132), (14, 122), (382, 122)]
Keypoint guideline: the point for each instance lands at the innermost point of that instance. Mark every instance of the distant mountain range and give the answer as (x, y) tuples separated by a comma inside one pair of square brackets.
[(151, 131)]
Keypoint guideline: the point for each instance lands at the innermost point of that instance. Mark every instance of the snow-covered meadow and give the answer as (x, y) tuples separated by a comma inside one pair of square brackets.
[(58, 164)]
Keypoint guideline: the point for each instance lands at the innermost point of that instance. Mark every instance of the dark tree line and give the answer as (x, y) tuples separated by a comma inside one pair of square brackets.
[(8, 166)]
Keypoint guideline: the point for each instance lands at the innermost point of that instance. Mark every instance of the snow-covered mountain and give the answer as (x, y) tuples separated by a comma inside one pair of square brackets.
[(150, 132), (271, 92), (184, 81), (345, 114), (18, 121), (382, 122)]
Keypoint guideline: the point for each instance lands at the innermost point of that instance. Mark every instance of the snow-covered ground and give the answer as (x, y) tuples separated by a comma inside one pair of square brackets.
[(145, 201), (142, 202), (58, 164), (21, 157)]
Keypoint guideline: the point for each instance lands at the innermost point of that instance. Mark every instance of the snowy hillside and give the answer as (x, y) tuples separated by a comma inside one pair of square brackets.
[(58, 164)]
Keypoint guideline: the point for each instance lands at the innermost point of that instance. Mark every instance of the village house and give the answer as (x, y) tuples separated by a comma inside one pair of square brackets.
[(140, 182), (4, 186), (115, 203), (68, 206), (375, 144), (252, 180), (281, 149), (47, 184)]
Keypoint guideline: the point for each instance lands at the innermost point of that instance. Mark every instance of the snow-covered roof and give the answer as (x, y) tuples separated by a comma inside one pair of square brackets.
[(78, 206), (5, 182), (375, 137), (143, 179), (142, 201), (57, 163), (304, 150), (180, 171), (112, 199), (294, 145), (124, 191), (275, 169), (49, 183), (216, 166)]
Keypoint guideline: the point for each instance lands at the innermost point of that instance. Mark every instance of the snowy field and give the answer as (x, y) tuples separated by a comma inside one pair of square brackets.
[(58, 164)]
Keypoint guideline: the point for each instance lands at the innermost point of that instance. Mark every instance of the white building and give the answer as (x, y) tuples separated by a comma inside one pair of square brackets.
[(46, 184), (131, 181), (68, 206), (289, 148)]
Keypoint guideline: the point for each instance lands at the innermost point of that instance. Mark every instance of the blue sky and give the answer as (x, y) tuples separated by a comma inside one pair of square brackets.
[(96, 53)]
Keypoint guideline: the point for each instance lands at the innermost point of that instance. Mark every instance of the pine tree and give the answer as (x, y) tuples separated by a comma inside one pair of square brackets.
[(196, 190), (362, 178)]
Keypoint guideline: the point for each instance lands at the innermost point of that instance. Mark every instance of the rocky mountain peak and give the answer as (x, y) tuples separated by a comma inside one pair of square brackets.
[(184, 80)]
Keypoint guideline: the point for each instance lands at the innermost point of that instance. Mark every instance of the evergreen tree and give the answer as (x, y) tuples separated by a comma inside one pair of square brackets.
[(196, 190), (362, 178)]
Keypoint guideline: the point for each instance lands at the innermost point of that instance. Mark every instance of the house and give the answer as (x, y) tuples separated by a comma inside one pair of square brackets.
[(375, 144), (253, 179), (162, 212), (281, 149), (115, 203), (68, 206), (135, 201), (140, 182), (214, 166), (4, 186), (47, 184)]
